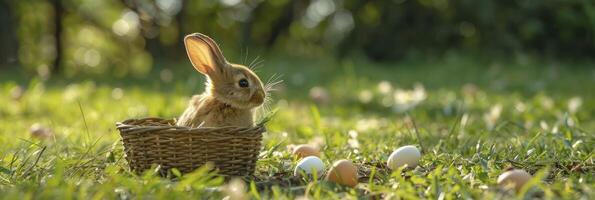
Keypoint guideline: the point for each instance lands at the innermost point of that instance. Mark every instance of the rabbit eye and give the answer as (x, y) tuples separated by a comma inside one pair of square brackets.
[(243, 83)]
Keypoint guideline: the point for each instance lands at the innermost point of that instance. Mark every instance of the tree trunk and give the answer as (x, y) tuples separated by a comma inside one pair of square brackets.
[(8, 39), (283, 23), (182, 31), (58, 14), (246, 37)]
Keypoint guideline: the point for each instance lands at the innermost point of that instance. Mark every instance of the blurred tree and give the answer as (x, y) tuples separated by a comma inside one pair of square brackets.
[(58, 16), (283, 22), (124, 37), (7, 35)]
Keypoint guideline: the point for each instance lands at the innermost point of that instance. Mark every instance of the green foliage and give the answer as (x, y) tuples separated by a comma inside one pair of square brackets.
[(472, 123), (36, 47), (99, 37), (129, 37), (387, 29)]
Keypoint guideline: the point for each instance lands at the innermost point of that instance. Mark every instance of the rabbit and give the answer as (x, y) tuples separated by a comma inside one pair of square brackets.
[(232, 91)]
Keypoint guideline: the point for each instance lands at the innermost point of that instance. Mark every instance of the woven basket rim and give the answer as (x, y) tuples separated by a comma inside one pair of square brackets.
[(152, 140), (126, 125)]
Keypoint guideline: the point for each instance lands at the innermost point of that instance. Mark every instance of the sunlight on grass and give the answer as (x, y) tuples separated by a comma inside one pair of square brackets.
[(470, 129)]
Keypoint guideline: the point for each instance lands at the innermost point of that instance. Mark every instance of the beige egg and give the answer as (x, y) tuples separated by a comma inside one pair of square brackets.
[(343, 172), (320, 95), (515, 178), (304, 150), (17, 92), (235, 189), (40, 131)]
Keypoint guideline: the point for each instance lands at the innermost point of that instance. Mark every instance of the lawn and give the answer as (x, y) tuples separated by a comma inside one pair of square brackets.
[(471, 118)]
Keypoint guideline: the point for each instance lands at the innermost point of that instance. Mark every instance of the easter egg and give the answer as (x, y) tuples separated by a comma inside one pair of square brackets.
[(305, 150), (39, 131), (343, 172), (515, 178), (308, 166), (407, 155)]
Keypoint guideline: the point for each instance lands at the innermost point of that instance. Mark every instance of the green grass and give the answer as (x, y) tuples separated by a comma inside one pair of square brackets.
[(473, 119)]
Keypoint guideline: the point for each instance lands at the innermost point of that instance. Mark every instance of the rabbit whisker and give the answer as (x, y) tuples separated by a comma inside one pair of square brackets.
[(271, 85), (275, 77), (246, 56), (256, 65), (251, 65)]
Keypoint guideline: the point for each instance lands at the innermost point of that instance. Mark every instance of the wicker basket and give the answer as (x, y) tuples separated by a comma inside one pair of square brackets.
[(153, 141)]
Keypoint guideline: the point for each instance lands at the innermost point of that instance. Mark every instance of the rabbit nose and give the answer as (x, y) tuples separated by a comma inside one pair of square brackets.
[(258, 97)]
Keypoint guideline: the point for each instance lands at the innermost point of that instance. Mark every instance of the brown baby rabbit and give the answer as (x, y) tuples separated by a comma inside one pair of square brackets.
[(232, 90)]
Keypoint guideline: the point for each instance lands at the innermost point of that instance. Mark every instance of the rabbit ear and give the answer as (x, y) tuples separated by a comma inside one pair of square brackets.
[(204, 53)]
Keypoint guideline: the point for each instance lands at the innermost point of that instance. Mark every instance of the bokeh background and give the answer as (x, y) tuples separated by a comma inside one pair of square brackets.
[(478, 85), (132, 37)]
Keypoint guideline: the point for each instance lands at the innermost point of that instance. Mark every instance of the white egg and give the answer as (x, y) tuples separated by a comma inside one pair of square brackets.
[(516, 178), (308, 166), (409, 155)]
